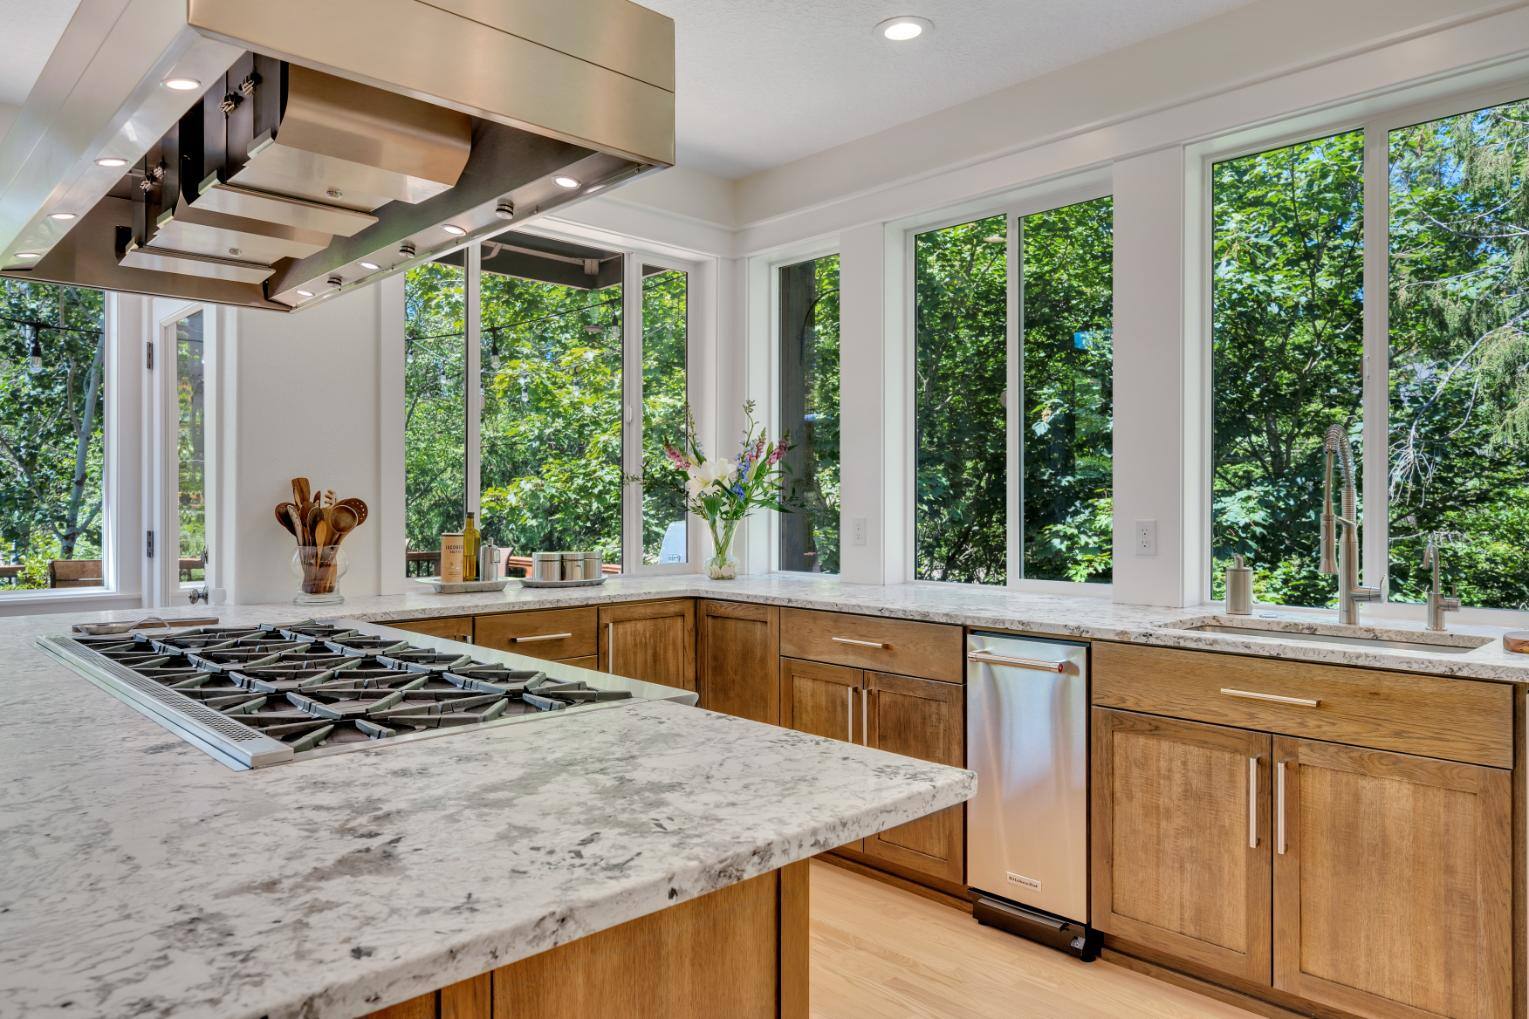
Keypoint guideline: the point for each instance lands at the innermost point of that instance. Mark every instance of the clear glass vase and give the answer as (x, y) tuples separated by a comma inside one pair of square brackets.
[(319, 571), (722, 565)]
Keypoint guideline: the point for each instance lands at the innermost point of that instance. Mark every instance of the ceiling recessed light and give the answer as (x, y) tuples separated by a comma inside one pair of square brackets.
[(111, 162), (566, 183), (904, 28), (305, 293), (181, 84), (454, 230), (62, 217), (370, 266), (28, 256)]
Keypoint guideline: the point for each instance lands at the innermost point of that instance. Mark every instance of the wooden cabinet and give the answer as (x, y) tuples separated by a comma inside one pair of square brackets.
[(559, 635), (652, 641), (1181, 839), (930, 650), (920, 718), (1393, 883), (451, 627), (736, 647)]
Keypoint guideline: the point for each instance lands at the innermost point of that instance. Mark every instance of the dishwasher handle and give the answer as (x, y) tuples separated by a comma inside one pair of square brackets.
[(1009, 661)]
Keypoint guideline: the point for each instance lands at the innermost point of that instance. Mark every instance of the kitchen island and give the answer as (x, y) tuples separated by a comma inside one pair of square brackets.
[(640, 855)]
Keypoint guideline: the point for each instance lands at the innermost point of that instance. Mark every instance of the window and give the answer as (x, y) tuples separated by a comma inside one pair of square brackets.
[(435, 427), (1459, 345), (52, 436), (960, 287), (809, 414), (564, 341), (1287, 353), (665, 401), (191, 446), (1449, 430), (1055, 523), (551, 465)]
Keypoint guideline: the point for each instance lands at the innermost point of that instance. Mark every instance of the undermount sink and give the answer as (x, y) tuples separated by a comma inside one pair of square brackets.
[(1448, 644)]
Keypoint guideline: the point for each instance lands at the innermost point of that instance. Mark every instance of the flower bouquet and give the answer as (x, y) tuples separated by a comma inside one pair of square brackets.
[(723, 492)]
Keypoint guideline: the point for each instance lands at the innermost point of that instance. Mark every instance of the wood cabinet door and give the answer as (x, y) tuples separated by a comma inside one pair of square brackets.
[(738, 647), (1181, 839), (1393, 883), (653, 641), (823, 700), (926, 719)]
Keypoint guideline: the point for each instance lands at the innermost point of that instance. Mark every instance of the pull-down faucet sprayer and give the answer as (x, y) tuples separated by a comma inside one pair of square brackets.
[(1340, 555)]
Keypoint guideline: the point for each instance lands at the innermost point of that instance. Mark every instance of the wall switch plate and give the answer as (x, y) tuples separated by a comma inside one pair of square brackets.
[(858, 527), (1146, 537)]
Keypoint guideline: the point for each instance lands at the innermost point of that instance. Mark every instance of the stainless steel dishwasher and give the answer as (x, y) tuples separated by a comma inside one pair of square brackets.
[(1027, 827)]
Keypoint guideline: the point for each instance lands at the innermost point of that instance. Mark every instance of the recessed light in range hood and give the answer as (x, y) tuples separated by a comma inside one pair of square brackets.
[(345, 141)]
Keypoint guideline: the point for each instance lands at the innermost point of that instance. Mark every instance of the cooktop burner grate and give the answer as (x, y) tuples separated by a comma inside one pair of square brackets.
[(262, 695)]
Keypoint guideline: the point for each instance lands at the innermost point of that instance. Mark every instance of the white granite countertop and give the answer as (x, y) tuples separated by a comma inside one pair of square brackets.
[(1094, 618), (141, 877)]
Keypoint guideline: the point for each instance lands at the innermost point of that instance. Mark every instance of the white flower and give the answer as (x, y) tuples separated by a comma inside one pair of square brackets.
[(713, 472)]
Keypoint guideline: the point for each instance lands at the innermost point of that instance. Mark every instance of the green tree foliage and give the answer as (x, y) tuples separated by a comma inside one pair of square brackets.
[(435, 427), (1288, 347), (1459, 429), (1068, 307), (665, 303), (960, 286), (810, 361), (51, 426)]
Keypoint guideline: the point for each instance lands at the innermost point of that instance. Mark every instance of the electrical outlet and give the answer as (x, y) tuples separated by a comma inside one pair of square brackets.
[(858, 528), (1146, 537)]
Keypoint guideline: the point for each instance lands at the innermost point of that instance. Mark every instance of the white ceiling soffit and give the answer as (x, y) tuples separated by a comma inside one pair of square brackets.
[(764, 82), (32, 29)]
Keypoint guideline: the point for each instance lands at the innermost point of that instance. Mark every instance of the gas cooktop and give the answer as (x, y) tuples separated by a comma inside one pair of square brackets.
[(259, 695)]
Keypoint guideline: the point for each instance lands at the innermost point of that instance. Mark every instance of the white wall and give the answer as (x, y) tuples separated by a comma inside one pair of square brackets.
[(308, 403)]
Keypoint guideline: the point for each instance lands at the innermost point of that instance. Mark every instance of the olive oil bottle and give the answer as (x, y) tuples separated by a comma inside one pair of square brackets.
[(470, 539)]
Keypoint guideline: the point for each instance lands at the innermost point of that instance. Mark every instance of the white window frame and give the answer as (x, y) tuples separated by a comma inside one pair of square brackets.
[(122, 420), (1014, 206), (634, 258), (1377, 119)]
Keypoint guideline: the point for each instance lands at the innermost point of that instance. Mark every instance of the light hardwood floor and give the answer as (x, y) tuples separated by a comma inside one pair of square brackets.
[(881, 952)]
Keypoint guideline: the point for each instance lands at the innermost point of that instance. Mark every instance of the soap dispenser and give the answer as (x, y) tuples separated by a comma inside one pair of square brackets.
[(1239, 588)]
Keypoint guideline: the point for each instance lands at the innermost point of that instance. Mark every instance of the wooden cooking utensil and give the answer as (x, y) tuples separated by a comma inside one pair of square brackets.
[(343, 519), (300, 493), (284, 518), (357, 506)]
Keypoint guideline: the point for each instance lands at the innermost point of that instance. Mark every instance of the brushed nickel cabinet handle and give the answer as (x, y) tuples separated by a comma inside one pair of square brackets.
[(1274, 698), (849, 714), (1279, 807), (534, 638), (1035, 664), (858, 642), (865, 716), (610, 648), (1252, 803)]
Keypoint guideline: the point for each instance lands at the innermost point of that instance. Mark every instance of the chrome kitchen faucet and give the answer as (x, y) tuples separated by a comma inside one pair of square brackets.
[(1342, 559)]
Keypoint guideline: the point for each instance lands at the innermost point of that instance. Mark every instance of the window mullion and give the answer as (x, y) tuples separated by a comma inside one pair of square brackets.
[(1376, 398), (472, 381), (1014, 401), (631, 413)]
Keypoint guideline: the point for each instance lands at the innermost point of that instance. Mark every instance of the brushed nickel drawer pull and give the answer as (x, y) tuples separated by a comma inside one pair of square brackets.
[(1276, 698), (539, 637), (1279, 805), (989, 658), (849, 714), (865, 716), (858, 643), (1252, 803)]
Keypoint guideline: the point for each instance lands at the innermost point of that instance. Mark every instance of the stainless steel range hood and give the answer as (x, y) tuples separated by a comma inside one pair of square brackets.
[(317, 146)]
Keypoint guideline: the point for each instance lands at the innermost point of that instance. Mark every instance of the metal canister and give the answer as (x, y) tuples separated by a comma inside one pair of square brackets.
[(594, 563), (488, 561), (573, 565), (547, 565), (1239, 588)]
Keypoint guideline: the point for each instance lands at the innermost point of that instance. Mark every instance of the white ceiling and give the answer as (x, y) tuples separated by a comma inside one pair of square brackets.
[(32, 29), (764, 82)]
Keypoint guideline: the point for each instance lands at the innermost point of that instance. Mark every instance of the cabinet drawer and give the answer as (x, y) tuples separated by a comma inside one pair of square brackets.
[(930, 650), (1455, 719), (546, 633), (451, 627)]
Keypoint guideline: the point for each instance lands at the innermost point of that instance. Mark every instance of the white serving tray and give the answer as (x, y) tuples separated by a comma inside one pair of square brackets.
[(463, 586), (533, 582)]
